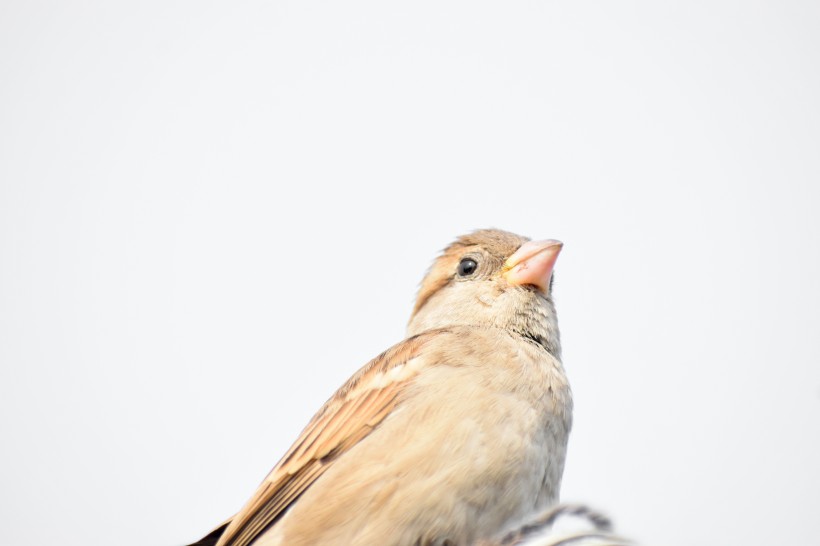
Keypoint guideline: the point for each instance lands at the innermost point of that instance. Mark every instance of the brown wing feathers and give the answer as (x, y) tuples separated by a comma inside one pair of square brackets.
[(358, 407)]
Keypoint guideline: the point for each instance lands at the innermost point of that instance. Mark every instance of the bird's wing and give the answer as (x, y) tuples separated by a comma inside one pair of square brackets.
[(213, 537), (350, 415)]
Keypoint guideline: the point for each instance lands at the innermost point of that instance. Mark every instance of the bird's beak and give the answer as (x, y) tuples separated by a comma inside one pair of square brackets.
[(533, 264)]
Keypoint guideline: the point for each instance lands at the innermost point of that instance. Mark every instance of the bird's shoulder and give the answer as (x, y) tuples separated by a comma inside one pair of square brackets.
[(353, 411)]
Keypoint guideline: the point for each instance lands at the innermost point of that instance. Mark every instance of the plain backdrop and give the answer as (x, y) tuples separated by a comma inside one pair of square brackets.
[(212, 213)]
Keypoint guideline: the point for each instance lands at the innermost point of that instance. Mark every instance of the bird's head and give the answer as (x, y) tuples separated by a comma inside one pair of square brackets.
[(492, 278)]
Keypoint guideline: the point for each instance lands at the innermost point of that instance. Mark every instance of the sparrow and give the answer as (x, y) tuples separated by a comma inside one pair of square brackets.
[(455, 435)]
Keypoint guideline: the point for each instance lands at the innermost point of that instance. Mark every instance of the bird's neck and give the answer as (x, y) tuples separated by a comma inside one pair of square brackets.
[(539, 324), (533, 320)]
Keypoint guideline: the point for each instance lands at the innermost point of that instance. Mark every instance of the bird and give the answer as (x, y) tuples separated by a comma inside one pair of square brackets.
[(454, 436)]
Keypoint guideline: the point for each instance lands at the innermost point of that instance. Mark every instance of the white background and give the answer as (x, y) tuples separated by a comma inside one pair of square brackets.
[(211, 214)]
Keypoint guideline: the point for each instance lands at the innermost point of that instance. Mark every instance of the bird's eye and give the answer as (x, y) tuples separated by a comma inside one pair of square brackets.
[(466, 267)]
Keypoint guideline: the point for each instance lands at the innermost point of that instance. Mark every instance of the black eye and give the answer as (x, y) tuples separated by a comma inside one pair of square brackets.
[(466, 267)]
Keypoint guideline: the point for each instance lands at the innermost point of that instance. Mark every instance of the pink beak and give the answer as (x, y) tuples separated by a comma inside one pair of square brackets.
[(533, 264)]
